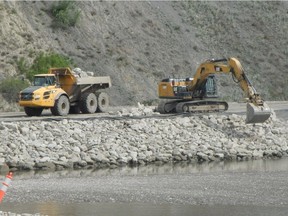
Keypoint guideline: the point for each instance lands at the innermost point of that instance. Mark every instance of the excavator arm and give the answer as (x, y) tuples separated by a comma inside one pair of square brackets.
[(257, 109)]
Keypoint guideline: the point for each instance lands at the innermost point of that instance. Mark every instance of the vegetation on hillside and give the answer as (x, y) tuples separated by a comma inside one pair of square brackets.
[(11, 86), (43, 62), (65, 14)]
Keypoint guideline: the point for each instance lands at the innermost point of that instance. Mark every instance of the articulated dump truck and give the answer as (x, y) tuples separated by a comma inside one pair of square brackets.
[(64, 91)]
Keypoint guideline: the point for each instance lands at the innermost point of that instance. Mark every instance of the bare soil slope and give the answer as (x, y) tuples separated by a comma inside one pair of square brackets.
[(139, 43)]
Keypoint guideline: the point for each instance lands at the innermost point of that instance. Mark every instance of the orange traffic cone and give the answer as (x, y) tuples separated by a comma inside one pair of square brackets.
[(5, 185)]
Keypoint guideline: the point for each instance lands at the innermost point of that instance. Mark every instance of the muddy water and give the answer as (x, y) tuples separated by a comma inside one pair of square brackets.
[(145, 209), (268, 194)]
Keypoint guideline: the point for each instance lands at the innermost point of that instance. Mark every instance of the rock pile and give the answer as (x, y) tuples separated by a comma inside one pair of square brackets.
[(127, 139), (80, 73)]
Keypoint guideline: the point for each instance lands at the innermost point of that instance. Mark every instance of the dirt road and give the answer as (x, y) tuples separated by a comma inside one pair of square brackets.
[(280, 107)]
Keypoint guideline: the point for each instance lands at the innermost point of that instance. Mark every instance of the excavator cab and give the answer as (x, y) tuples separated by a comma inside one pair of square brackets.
[(208, 89), (211, 87)]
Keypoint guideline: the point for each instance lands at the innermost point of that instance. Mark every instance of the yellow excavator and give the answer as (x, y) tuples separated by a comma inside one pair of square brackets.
[(198, 94)]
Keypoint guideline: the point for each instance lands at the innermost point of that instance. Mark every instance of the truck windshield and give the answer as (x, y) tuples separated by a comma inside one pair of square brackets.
[(44, 81)]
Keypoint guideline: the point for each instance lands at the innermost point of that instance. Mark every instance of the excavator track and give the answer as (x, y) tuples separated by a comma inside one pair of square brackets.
[(182, 106)]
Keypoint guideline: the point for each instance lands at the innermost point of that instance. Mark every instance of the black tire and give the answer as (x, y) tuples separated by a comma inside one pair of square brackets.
[(74, 110), (88, 103), (103, 101), (32, 111), (61, 107)]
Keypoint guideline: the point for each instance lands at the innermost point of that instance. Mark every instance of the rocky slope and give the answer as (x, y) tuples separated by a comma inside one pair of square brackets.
[(139, 43), (138, 136)]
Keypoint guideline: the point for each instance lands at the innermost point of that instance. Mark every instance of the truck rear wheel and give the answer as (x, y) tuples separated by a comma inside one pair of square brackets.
[(103, 101), (32, 111), (88, 103), (61, 107)]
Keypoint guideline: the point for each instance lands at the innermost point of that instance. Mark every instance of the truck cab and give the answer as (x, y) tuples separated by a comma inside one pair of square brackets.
[(44, 80), (42, 93)]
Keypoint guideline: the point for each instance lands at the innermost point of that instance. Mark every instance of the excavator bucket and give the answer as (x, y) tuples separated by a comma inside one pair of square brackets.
[(257, 114)]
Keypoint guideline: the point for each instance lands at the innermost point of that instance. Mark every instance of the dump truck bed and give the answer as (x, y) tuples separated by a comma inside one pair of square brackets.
[(94, 80)]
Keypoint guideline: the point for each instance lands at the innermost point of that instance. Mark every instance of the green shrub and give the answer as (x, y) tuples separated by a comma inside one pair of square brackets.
[(43, 62), (10, 88), (22, 66), (65, 14)]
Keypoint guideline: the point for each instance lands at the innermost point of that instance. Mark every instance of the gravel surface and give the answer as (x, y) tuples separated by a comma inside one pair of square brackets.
[(241, 186), (227, 188)]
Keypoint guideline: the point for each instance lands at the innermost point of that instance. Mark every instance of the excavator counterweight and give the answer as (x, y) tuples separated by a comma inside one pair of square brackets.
[(199, 94)]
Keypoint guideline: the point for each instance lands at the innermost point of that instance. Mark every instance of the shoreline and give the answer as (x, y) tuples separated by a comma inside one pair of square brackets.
[(82, 144)]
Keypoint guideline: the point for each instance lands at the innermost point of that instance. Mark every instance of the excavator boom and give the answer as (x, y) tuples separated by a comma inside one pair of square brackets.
[(193, 92)]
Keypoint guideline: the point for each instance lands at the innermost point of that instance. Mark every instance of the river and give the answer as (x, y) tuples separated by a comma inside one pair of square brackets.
[(257, 187)]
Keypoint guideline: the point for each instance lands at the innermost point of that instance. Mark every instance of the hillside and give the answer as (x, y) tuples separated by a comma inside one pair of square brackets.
[(139, 43)]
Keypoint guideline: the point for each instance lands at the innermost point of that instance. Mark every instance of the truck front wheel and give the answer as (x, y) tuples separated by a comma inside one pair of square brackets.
[(32, 111), (61, 107), (88, 103), (103, 101)]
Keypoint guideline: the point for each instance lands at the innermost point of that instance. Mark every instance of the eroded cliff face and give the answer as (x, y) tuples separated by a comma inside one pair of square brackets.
[(139, 43)]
